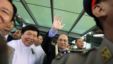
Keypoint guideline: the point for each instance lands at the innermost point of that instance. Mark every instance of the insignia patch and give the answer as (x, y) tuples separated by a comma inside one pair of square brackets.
[(106, 54)]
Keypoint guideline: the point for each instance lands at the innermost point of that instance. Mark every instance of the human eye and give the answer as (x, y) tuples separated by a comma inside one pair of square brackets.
[(4, 11)]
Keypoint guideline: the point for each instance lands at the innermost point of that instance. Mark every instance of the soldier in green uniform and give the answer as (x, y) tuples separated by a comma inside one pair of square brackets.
[(102, 12)]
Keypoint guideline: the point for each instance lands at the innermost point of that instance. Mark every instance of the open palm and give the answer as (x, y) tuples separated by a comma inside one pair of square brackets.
[(57, 24)]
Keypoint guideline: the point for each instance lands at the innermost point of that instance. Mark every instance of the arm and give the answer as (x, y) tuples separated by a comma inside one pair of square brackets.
[(46, 45), (57, 24)]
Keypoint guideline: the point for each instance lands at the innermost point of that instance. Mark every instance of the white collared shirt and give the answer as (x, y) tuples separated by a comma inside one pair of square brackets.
[(40, 54), (6, 36), (22, 54)]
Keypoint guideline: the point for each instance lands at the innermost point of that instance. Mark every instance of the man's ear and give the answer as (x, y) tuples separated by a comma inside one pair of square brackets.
[(99, 10)]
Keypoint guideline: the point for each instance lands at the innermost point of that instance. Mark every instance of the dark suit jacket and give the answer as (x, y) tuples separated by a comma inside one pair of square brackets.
[(3, 51), (9, 38), (49, 49)]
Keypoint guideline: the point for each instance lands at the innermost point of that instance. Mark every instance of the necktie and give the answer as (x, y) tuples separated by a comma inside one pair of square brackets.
[(32, 51)]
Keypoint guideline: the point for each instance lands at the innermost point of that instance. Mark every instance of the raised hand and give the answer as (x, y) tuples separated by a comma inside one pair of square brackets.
[(57, 24)]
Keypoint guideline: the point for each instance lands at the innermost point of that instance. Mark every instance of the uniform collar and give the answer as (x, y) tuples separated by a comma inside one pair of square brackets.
[(64, 51)]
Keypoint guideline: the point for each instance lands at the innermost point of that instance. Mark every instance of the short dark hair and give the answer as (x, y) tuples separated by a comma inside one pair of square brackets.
[(76, 40), (40, 35), (29, 27), (14, 10), (87, 4)]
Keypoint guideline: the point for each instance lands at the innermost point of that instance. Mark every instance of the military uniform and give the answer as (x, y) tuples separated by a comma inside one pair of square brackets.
[(104, 54), (60, 57), (76, 56), (101, 55), (77, 50)]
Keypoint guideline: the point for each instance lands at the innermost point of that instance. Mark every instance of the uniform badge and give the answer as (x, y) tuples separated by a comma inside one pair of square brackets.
[(106, 54)]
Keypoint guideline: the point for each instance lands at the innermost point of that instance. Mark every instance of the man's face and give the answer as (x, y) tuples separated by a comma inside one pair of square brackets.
[(8, 27), (38, 40), (109, 12), (108, 23), (105, 15), (28, 37), (6, 13), (17, 34), (80, 43), (62, 41), (104, 12)]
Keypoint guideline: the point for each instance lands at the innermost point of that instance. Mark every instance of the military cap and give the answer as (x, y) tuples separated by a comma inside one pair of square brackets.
[(89, 5)]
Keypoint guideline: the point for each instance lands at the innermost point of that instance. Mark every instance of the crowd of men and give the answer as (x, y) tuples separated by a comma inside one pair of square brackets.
[(29, 47)]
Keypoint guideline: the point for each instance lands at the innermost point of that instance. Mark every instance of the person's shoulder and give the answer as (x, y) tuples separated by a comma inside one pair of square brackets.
[(76, 50), (90, 55), (92, 50), (14, 40), (13, 43), (81, 56), (84, 51), (76, 56)]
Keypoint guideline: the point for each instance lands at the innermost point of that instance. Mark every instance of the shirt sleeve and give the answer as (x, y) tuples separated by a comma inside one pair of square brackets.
[(52, 32)]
